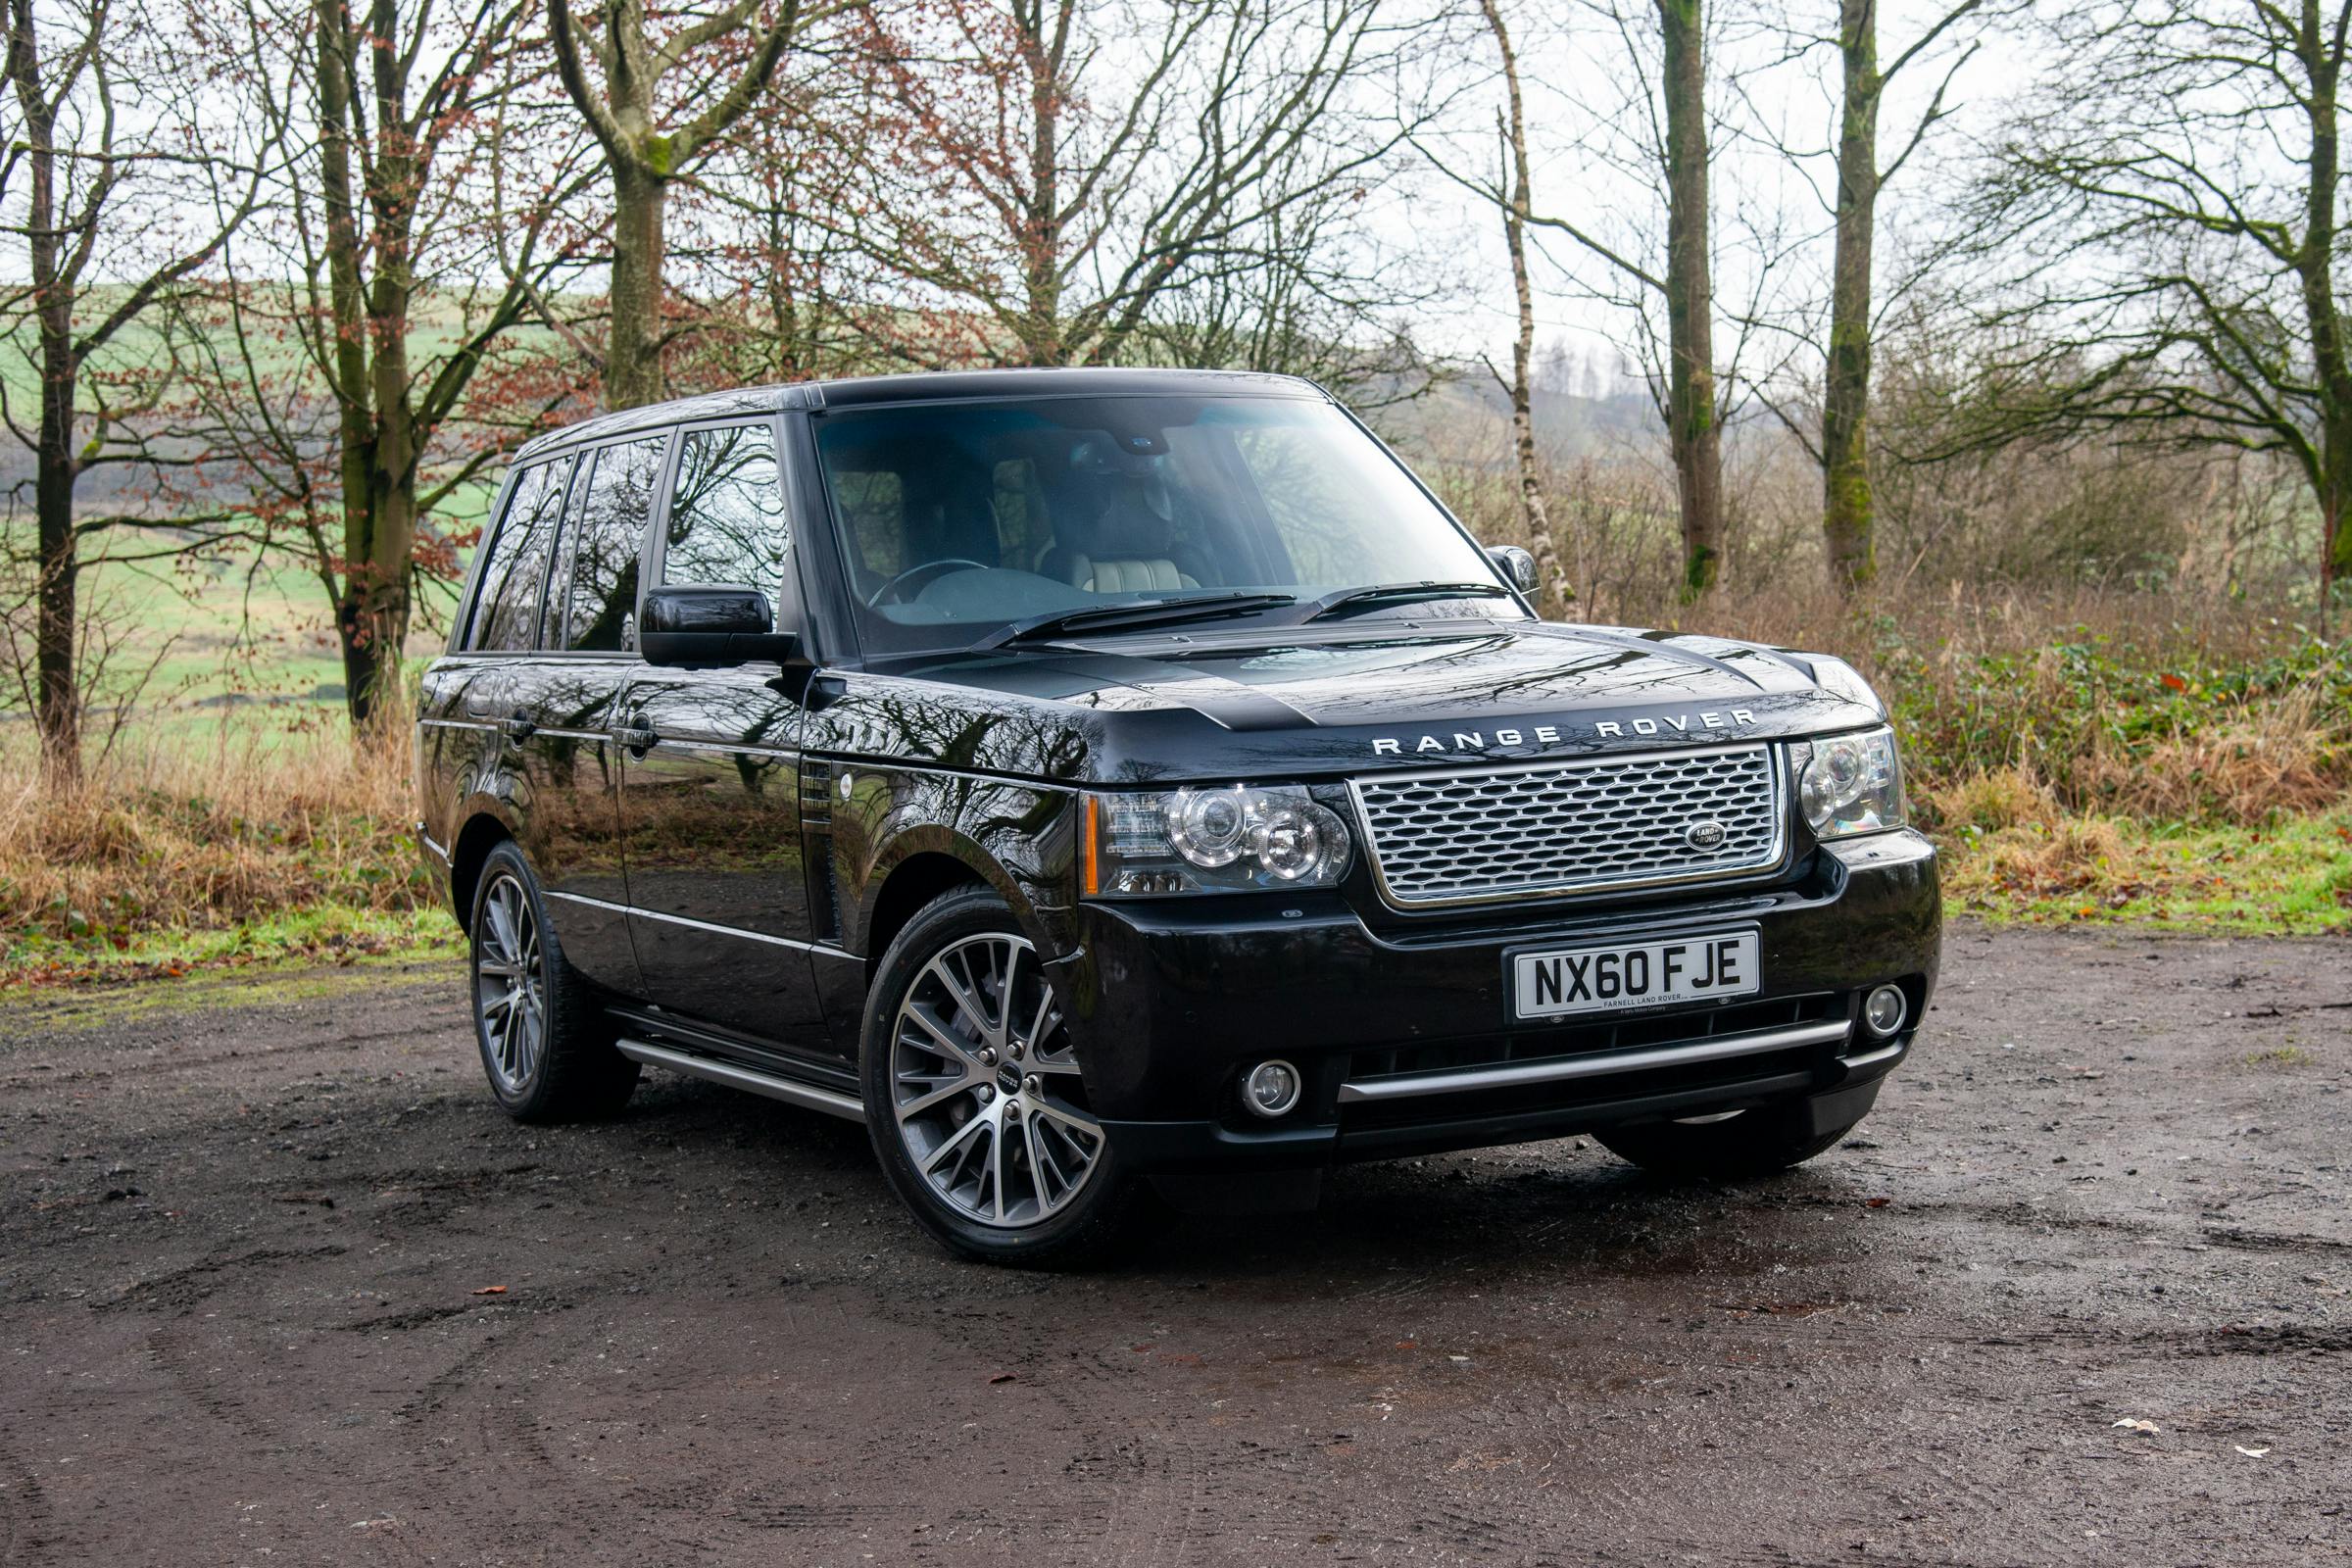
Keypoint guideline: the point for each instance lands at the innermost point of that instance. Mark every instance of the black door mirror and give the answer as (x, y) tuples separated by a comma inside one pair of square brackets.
[(1517, 567), (711, 624)]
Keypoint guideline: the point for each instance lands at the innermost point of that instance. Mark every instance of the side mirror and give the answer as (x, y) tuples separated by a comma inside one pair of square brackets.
[(711, 624), (1517, 567)]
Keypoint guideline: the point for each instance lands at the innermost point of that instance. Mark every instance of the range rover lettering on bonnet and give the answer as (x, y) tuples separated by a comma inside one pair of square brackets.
[(1665, 726)]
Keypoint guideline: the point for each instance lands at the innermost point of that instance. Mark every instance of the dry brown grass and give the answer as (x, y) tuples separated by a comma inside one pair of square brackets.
[(198, 833)]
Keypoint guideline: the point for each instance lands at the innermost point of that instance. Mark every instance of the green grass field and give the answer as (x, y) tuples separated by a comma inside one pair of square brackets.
[(212, 642)]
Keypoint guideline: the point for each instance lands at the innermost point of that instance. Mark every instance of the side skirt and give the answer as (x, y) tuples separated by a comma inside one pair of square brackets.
[(774, 1086)]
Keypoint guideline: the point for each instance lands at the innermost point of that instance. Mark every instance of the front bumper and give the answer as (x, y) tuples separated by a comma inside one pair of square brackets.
[(1403, 1036)]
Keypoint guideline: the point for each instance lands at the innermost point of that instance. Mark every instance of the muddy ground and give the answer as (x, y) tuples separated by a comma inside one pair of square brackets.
[(244, 1247)]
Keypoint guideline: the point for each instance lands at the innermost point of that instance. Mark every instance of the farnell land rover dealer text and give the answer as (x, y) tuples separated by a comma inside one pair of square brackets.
[(1100, 778)]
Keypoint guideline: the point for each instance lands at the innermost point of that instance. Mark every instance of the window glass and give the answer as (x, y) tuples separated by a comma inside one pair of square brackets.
[(727, 517), (601, 601), (873, 506), (507, 613), (957, 519)]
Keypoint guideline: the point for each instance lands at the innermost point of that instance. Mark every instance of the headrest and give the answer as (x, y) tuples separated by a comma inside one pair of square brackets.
[(1117, 507)]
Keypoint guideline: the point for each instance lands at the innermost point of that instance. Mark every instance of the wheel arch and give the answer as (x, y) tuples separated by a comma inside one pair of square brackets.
[(483, 832), (913, 878)]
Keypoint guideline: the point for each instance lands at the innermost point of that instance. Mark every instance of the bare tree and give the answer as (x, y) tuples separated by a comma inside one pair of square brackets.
[(2171, 207), (121, 184), (1059, 172), (1657, 134), (1692, 426), (1847, 506), (1552, 577), (639, 77), (376, 218)]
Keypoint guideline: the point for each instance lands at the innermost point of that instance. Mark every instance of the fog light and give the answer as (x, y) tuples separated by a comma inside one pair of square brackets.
[(1883, 1013), (1271, 1089)]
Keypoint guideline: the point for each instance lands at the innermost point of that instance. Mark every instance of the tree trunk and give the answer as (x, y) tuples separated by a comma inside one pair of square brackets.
[(2314, 266), (1551, 578), (56, 465), (1041, 247), (54, 473), (1695, 437), (1846, 510), (633, 374)]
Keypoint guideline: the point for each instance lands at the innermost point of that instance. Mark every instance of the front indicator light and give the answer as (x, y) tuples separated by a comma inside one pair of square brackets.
[(1218, 839)]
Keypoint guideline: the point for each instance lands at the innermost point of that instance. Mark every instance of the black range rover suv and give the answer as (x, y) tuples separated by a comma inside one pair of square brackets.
[(1092, 776)]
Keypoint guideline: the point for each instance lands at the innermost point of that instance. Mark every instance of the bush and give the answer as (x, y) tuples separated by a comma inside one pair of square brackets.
[(209, 834)]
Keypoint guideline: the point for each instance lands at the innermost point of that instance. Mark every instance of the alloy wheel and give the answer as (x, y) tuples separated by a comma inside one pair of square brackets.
[(510, 991), (984, 1087)]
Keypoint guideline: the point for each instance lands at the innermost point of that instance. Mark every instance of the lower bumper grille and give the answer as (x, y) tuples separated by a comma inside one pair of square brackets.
[(1526, 1071)]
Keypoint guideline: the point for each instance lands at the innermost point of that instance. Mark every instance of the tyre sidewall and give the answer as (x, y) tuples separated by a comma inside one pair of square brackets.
[(1089, 1220)]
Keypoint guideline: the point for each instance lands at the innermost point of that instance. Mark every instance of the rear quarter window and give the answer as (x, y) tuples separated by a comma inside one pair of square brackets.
[(506, 617)]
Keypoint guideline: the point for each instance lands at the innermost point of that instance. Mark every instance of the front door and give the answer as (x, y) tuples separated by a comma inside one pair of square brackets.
[(711, 775)]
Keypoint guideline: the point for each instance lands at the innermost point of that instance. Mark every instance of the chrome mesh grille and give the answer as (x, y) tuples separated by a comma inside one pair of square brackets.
[(1526, 832)]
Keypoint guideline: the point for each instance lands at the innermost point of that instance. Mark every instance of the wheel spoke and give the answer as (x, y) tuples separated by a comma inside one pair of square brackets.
[(958, 1139), (943, 1090), (1039, 1169), (504, 938), (951, 1047), (1065, 1120), (1035, 1039), (967, 1000)]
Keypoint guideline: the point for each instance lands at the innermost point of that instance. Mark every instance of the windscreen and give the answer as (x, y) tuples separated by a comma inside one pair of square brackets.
[(960, 519)]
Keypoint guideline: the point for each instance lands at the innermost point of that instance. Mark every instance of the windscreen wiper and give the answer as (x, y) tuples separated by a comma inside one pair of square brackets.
[(1398, 593), (1141, 614)]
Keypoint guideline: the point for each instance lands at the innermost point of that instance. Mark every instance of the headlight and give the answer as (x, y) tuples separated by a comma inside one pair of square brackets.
[(1849, 784), (1213, 839)]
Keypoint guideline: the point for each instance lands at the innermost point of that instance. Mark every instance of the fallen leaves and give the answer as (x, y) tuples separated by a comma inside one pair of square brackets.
[(491, 1289), (2139, 1425)]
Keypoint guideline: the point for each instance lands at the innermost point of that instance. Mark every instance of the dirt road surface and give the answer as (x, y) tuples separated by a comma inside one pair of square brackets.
[(277, 1285)]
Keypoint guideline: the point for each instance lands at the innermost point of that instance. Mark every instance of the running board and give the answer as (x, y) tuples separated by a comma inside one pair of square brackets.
[(808, 1095), (1597, 1066)]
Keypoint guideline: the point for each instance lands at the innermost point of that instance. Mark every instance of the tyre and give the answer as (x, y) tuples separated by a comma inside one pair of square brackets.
[(973, 1097), (541, 1026), (1751, 1143)]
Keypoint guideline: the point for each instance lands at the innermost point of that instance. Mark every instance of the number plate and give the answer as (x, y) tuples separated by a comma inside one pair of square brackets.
[(1562, 981)]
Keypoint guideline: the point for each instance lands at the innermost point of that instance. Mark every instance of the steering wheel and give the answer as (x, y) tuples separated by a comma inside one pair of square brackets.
[(927, 570)]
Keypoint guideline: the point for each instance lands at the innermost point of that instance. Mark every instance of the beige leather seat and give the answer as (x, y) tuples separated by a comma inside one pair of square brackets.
[(1125, 549)]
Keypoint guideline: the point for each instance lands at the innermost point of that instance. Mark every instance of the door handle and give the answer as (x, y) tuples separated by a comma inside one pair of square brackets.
[(637, 738), (519, 727)]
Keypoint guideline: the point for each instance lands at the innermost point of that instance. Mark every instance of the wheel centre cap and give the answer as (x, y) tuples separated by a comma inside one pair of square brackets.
[(1009, 1081)]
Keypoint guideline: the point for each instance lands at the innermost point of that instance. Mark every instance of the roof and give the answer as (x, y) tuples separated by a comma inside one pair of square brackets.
[(920, 387)]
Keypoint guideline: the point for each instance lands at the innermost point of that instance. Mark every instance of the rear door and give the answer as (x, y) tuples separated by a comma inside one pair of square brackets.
[(711, 793), (560, 712)]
